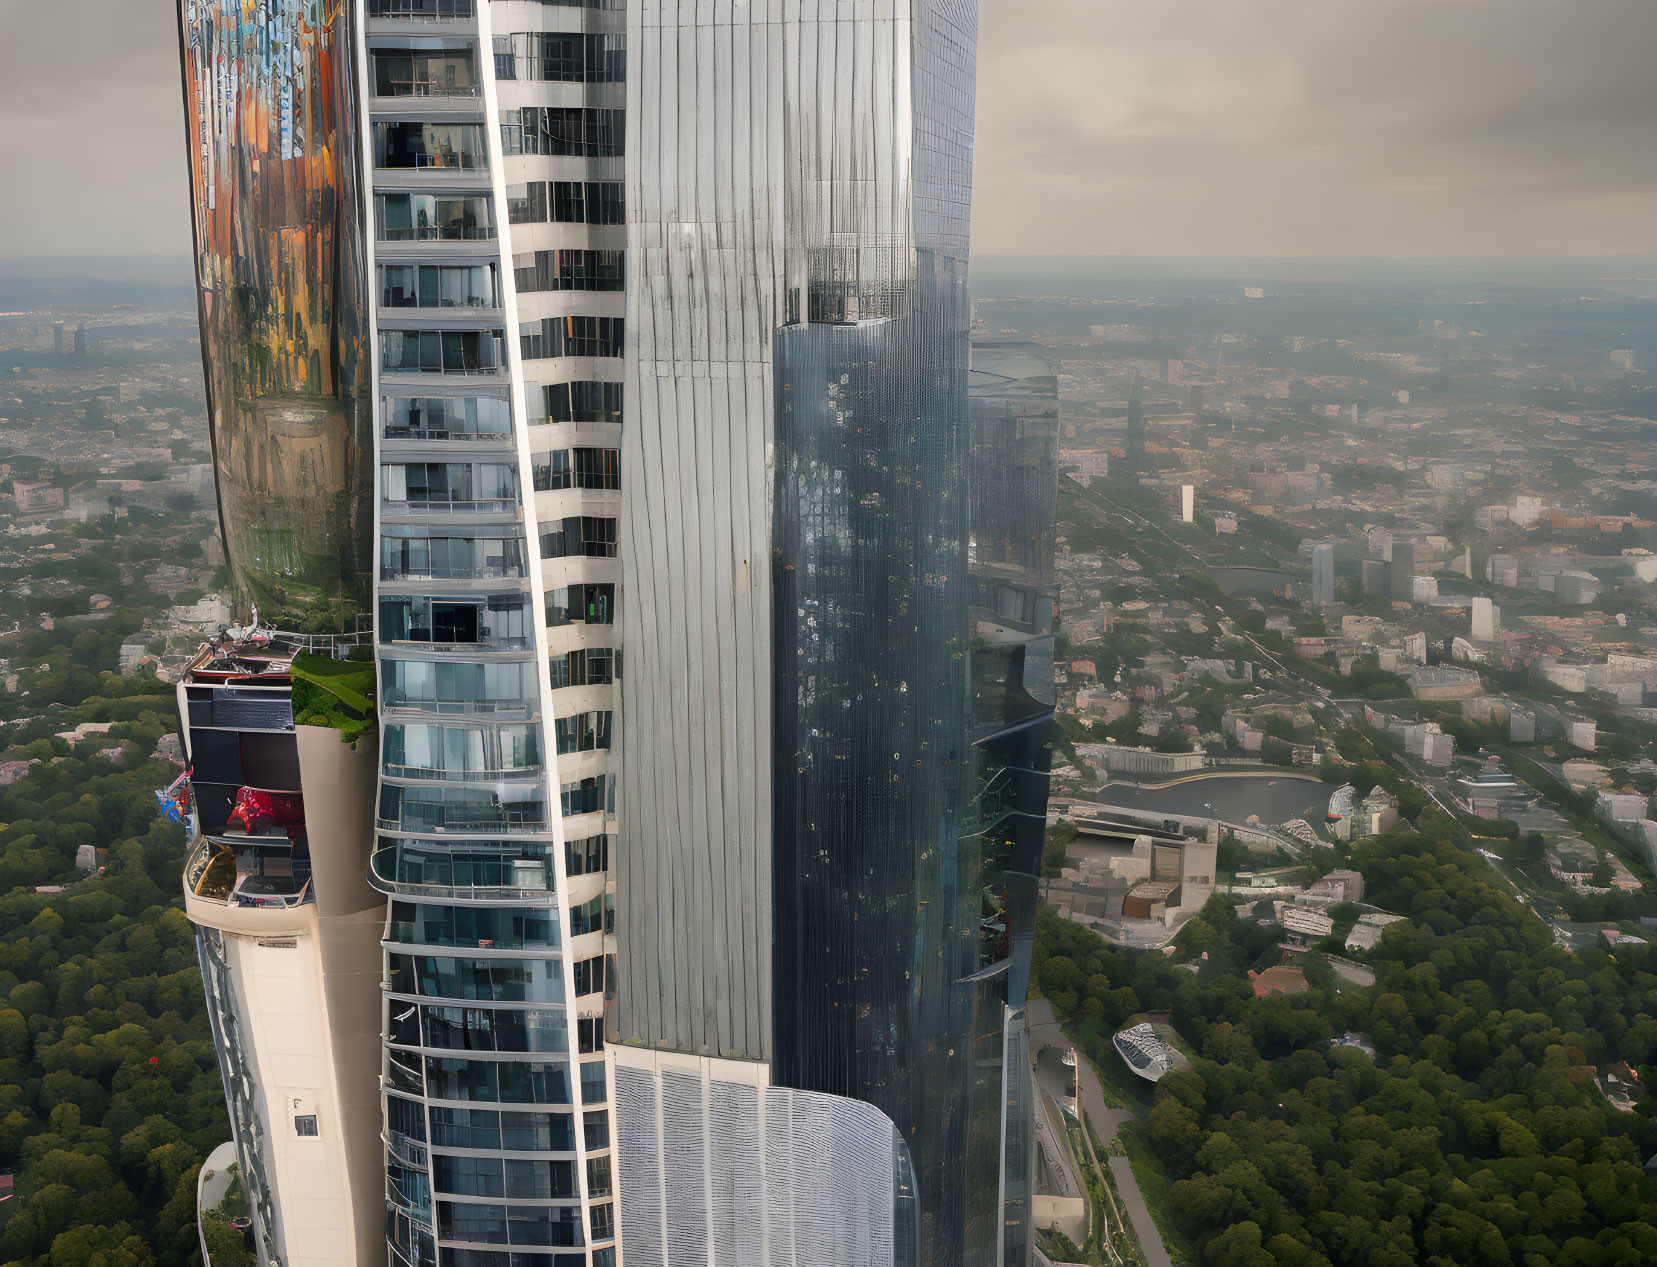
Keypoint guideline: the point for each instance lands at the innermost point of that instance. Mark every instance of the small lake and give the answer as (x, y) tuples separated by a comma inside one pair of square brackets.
[(1274, 798), (1263, 581)]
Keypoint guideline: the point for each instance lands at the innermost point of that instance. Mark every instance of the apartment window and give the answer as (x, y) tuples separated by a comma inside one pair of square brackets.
[(561, 57), (440, 351), (595, 1126), (415, 145), (446, 417), (580, 536), (584, 732), (449, 482), (433, 217), (578, 468), (584, 667), (599, 1183), (506, 64), (509, 1082), (499, 620), (408, 552), (585, 857), (468, 1176), (582, 604), (581, 202), (574, 131), (527, 204), (438, 286), (604, 1222), (595, 916), (438, 72), (589, 979), (606, 204), (596, 795), (583, 402), (569, 202), (597, 468), (594, 1088), (540, 1180), (428, 10), (551, 470), (571, 336), (570, 270), (305, 1125), (590, 1031)]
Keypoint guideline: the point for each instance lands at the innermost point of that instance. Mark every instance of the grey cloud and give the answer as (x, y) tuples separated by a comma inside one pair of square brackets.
[(1155, 127), (1288, 127), (92, 128)]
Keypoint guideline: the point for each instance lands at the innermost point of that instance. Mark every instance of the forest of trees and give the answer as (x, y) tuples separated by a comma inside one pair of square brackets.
[(109, 1089), (1475, 1137)]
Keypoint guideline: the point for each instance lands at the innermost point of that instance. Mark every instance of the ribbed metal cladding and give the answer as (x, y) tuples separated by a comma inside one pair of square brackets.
[(799, 882), (706, 240), (787, 160), (754, 1176)]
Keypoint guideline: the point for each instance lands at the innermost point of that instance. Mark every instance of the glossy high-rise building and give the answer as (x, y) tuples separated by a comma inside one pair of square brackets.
[(409, 230), (731, 934), (833, 723)]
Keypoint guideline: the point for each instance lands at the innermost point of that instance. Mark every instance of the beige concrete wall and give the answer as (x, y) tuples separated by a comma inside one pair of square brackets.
[(339, 783)]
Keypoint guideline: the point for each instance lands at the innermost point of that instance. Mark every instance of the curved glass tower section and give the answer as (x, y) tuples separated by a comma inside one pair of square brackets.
[(270, 97)]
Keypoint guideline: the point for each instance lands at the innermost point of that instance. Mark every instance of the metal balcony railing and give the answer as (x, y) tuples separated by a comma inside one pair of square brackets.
[(465, 821), (474, 437), (501, 573), (507, 709), (520, 774), (390, 885), (423, 88), (490, 506), (423, 10), (460, 648)]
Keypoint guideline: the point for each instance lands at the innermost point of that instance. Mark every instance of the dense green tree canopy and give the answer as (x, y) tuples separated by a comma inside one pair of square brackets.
[(109, 1090), (1475, 1136)]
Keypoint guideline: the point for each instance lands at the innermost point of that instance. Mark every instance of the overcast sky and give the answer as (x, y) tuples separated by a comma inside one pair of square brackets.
[(1255, 128)]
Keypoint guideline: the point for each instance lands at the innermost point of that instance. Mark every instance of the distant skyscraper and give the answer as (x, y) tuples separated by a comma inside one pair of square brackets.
[(1377, 578), (1136, 426), (1403, 570), (57, 338), (1487, 620), (1187, 503), (1323, 573), (80, 341), (835, 704)]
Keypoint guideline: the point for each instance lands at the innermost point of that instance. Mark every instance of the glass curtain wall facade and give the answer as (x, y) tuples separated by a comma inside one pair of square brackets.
[(493, 133), (826, 894), (1014, 399)]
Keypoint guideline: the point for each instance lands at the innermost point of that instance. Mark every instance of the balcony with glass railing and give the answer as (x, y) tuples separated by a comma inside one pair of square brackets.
[(503, 709), (424, 10), (405, 869)]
